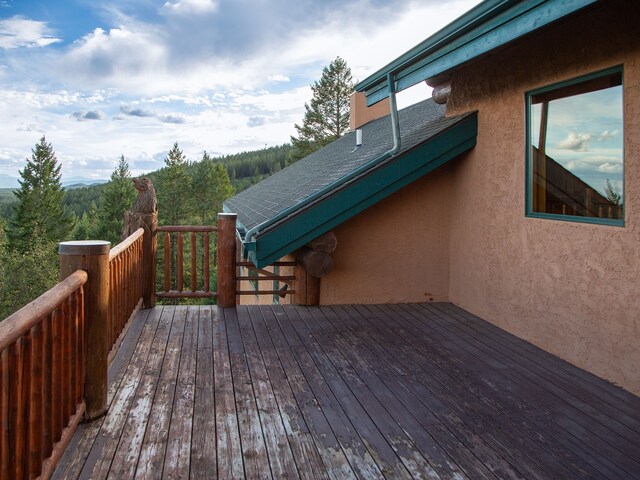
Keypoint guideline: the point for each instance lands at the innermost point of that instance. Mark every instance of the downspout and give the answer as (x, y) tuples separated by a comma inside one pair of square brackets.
[(249, 243)]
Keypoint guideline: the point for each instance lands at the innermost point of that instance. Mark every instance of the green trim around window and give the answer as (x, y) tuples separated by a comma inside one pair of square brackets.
[(529, 167)]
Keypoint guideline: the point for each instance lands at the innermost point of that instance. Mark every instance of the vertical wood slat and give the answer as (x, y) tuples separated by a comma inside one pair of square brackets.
[(35, 402), (81, 348), (112, 283), (4, 415), (205, 262), (16, 415), (25, 395), (47, 418), (193, 262), (167, 262), (56, 378), (73, 352), (65, 359), (179, 266)]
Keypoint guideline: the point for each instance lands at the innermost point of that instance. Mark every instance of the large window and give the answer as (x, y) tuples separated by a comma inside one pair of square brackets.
[(575, 158)]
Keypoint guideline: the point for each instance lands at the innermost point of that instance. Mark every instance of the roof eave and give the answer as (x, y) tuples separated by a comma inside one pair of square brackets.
[(486, 27), (314, 220)]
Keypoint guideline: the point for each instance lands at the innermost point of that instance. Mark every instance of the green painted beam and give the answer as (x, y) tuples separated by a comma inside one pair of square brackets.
[(364, 192), (488, 26)]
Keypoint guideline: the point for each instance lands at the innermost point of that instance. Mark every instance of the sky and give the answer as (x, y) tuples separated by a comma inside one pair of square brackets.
[(102, 79)]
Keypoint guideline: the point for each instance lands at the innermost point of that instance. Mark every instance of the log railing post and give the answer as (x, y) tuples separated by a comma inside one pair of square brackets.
[(227, 259), (148, 221), (92, 256), (307, 287)]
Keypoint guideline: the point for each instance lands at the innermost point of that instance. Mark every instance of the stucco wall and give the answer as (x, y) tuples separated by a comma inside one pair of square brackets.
[(397, 250), (571, 288)]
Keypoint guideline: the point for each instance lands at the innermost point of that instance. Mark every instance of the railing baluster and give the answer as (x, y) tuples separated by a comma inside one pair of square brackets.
[(66, 365), (47, 391), (179, 266), (56, 375), (193, 262), (4, 415), (35, 402), (167, 262), (80, 346), (16, 426), (205, 262)]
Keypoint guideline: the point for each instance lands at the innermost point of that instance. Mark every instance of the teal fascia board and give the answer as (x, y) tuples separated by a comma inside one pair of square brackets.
[(363, 192), (488, 26)]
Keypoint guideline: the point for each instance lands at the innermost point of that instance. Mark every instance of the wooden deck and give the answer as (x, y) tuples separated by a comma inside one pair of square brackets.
[(402, 391)]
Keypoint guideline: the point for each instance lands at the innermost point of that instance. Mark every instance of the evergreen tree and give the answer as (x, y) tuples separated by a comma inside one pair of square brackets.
[(174, 189), (39, 216), (87, 226), (117, 197), (327, 117), (211, 187)]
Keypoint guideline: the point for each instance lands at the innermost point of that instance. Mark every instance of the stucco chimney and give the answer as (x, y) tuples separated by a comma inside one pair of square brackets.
[(359, 112)]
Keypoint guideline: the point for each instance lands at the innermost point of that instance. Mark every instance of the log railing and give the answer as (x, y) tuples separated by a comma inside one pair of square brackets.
[(42, 359), (199, 282), (125, 286), (199, 285)]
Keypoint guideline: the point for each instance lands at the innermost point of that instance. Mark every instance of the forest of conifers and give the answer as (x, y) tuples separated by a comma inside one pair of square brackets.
[(190, 192)]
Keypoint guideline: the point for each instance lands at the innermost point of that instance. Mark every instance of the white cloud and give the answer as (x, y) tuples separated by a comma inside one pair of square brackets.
[(175, 118), (578, 142), (119, 58), (136, 112), (90, 115), (278, 78), (608, 167), (607, 135), (17, 31), (190, 6)]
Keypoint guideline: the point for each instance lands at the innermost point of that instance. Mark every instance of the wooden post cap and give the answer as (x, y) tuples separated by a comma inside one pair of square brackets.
[(228, 215), (84, 247)]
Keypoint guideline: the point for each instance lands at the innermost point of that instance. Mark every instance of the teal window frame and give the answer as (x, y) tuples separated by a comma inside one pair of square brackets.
[(529, 164)]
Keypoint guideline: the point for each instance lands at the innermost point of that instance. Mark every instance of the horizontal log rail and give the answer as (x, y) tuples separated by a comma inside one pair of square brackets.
[(258, 275), (199, 284), (125, 287), (42, 360)]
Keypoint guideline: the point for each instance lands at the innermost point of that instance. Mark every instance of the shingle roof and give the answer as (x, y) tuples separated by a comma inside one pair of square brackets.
[(311, 174), (331, 185)]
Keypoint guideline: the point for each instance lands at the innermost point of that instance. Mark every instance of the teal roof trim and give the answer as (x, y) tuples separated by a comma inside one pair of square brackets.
[(486, 27), (363, 192)]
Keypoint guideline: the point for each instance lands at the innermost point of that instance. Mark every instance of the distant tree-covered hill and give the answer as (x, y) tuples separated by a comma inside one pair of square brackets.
[(244, 169)]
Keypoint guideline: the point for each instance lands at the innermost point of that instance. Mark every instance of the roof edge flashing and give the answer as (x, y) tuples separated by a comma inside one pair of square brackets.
[(484, 28)]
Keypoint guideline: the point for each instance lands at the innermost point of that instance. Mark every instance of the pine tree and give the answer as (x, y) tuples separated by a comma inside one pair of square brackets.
[(39, 216), (327, 117), (174, 189), (117, 197), (211, 187)]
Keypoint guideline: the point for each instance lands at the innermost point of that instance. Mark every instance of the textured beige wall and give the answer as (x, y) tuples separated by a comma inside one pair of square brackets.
[(397, 250), (571, 288)]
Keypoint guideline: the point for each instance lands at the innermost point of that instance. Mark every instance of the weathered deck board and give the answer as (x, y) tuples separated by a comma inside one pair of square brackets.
[(388, 391)]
